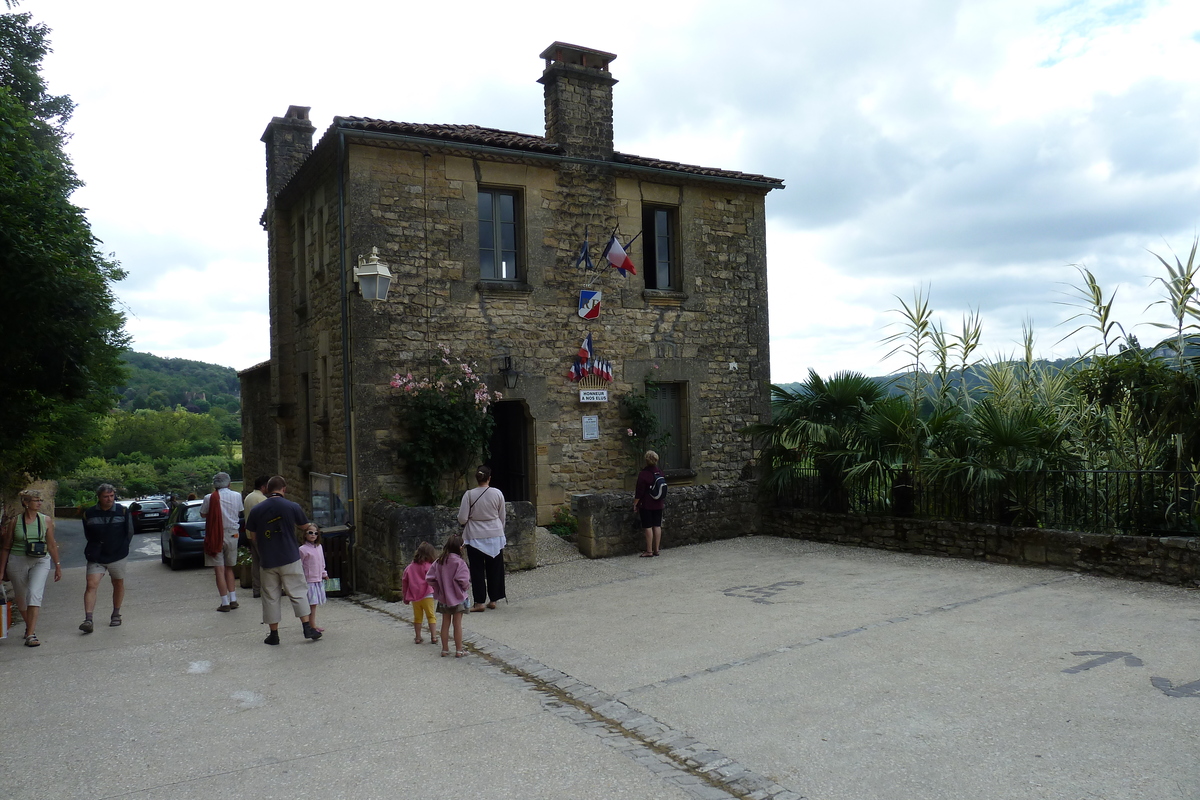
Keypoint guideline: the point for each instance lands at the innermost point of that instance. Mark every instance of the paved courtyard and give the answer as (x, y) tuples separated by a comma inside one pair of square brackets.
[(756, 667)]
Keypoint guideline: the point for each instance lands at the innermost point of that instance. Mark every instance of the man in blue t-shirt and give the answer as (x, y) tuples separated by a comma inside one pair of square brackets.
[(272, 526), (108, 529)]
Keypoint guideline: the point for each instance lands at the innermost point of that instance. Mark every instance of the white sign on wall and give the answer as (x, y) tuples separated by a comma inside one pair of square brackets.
[(591, 428), (593, 395)]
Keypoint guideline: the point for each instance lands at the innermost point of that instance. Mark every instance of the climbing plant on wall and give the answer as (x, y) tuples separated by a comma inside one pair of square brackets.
[(445, 425)]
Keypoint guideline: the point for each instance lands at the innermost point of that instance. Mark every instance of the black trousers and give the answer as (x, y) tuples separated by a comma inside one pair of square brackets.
[(487, 575)]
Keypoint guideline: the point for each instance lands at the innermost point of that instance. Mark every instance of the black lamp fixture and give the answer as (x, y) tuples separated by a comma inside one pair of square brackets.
[(509, 372)]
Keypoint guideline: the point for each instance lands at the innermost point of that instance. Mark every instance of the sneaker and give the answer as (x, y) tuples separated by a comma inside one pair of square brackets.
[(233, 604), (310, 632), (272, 638), (87, 626), (223, 608)]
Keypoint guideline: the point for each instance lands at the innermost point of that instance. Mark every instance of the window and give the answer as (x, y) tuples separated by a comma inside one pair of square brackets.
[(300, 267), (668, 401), (660, 248), (499, 243)]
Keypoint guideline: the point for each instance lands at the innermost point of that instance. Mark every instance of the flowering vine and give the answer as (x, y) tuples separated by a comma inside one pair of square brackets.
[(446, 425)]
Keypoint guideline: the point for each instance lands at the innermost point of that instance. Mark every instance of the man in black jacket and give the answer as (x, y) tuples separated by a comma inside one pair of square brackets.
[(108, 528)]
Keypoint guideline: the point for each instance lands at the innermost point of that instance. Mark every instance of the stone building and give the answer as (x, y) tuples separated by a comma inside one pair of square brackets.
[(480, 230)]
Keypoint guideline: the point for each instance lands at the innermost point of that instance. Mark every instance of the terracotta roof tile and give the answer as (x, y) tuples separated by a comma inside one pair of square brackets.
[(675, 166), (492, 137), (468, 134)]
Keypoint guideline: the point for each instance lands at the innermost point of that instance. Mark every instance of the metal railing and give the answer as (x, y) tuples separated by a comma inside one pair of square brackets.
[(1148, 503)]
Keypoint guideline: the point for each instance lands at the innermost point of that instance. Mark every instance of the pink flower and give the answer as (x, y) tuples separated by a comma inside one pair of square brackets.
[(629, 431)]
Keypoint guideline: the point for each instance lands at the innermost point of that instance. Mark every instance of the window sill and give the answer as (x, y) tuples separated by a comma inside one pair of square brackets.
[(503, 287), (663, 297)]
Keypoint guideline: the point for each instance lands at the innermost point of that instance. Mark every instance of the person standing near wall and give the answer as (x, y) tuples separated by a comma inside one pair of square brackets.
[(229, 509), (108, 528), (253, 499), (482, 511), (648, 506)]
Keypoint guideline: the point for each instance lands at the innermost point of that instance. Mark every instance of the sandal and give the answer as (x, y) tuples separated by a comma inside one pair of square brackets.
[(492, 604), (418, 640), (433, 640), (445, 653), (647, 554), (460, 654), (477, 607), (31, 640)]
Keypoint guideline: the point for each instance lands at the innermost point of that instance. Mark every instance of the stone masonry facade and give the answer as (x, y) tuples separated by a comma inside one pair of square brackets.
[(411, 191)]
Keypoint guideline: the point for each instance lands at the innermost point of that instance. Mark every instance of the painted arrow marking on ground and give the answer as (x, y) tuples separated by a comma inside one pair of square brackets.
[(1105, 656), (1171, 690)]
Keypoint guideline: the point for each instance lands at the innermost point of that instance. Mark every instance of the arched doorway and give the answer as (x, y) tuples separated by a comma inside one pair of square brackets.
[(509, 450)]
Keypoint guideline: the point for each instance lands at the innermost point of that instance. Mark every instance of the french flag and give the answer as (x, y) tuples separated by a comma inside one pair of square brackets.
[(585, 349), (617, 257)]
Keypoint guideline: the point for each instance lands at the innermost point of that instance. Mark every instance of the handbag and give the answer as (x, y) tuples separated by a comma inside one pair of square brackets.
[(34, 548), (214, 527)]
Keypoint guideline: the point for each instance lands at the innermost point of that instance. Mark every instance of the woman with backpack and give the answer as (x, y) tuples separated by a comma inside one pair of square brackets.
[(649, 498)]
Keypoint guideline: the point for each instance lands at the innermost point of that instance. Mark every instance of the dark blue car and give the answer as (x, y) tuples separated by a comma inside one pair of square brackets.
[(183, 537)]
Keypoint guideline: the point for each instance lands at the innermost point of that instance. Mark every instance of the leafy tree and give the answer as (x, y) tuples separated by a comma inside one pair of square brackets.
[(62, 332), (164, 433)]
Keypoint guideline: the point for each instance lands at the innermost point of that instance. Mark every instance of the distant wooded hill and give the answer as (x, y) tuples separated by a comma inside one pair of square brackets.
[(159, 383), (974, 376)]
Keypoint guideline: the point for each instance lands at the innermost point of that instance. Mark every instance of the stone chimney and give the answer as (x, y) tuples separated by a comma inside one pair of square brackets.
[(289, 143), (579, 106)]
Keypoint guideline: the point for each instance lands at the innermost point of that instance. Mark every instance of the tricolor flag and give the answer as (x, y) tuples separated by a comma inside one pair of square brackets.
[(617, 257), (585, 258), (585, 349)]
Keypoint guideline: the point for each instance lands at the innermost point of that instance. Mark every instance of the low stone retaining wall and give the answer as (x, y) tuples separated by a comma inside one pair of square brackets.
[(608, 525), (1173, 560), (391, 533)]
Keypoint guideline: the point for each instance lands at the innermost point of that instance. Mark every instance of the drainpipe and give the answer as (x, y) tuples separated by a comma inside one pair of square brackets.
[(347, 381)]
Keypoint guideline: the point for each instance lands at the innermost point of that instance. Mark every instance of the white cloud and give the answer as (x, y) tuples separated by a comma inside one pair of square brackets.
[(976, 148)]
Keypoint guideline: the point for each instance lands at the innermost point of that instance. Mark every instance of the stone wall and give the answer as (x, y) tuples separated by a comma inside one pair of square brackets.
[(391, 533), (1174, 560), (609, 527)]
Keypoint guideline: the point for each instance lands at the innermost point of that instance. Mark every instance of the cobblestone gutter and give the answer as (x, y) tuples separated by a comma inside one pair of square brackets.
[(674, 756)]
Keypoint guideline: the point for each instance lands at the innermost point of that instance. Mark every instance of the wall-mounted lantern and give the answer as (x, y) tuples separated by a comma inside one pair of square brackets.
[(509, 372), (372, 276)]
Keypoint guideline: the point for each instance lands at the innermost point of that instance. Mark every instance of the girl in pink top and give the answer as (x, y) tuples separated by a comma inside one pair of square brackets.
[(312, 557), (451, 580), (416, 590)]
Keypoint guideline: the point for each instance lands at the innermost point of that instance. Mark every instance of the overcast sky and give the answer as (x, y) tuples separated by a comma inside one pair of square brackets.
[(975, 149)]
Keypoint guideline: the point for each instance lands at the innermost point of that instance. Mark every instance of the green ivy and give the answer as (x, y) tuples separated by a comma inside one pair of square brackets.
[(644, 432), (448, 426)]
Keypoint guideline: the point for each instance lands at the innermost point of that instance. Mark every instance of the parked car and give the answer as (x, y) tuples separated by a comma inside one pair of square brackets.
[(182, 539), (149, 515)]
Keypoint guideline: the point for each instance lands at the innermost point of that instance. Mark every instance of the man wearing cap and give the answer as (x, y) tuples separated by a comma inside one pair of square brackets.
[(229, 506)]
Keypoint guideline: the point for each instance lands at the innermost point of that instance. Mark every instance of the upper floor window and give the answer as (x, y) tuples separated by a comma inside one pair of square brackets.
[(499, 229), (659, 231), (668, 401)]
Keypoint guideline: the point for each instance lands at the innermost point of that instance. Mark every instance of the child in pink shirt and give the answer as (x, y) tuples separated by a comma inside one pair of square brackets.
[(312, 557), (451, 580), (416, 590)]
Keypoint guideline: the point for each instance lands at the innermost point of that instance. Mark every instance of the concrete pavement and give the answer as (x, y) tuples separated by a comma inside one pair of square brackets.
[(755, 667)]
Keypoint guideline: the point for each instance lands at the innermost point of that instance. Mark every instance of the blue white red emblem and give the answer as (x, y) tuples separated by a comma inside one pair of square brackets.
[(589, 304)]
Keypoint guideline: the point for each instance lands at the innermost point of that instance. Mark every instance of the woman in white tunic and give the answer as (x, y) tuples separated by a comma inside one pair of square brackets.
[(482, 512)]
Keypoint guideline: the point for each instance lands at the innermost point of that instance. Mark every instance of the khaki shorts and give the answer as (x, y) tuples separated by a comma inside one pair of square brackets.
[(226, 558), (115, 570)]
